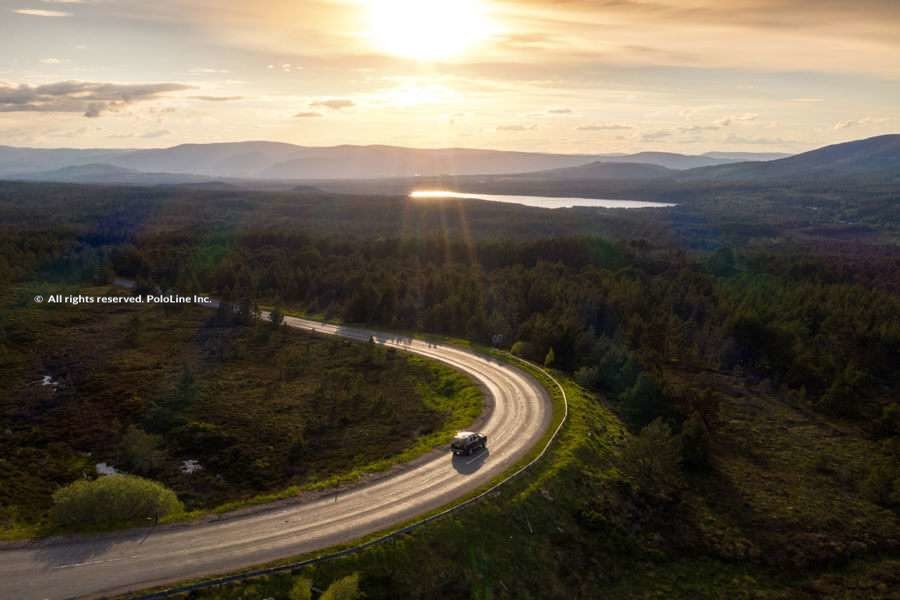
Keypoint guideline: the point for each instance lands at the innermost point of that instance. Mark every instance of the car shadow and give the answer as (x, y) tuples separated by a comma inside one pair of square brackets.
[(466, 465)]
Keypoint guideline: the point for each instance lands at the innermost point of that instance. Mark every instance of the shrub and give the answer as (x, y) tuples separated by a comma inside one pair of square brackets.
[(343, 589), (550, 358), (141, 450), (878, 485), (524, 350), (588, 377), (695, 442), (113, 499), (643, 401), (301, 590), (651, 461), (276, 317)]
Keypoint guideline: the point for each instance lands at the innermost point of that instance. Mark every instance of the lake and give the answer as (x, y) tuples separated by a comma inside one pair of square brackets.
[(541, 201)]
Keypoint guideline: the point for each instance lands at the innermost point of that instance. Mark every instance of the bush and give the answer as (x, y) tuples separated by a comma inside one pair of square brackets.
[(651, 461), (111, 500), (276, 317), (343, 589), (879, 484), (550, 358), (524, 350), (643, 401), (141, 451), (695, 442), (588, 377), (301, 590)]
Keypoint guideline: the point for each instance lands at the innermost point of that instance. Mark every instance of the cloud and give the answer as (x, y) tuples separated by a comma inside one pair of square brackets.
[(807, 100), (764, 141), (333, 104), (89, 98), (604, 127), (307, 114), (698, 128), (37, 12), (155, 134), (560, 111), (51, 61), (654, 136), (516, 127), (528, 41), (217, 98), (858, 122), (742, 118), (209, 70)]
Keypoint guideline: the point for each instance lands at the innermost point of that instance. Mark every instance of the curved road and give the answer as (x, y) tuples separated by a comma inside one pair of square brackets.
[(110, 564)]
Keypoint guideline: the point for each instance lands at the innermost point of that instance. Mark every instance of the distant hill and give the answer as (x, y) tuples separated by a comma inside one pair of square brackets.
[(111, 174), (280, 161), (361, 162), (602, 170), (746, 156), (669, 160), (873, 159), (24, 160)]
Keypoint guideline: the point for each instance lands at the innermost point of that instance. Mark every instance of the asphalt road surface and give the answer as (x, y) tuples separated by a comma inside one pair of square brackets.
[(116, 563)]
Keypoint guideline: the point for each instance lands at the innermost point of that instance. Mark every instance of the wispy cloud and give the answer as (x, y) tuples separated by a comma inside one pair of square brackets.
[(655, 136), (698, 128), (89, 98), (742, 118), (757, 141), (858, 122), (38, 12), (604, 127), (156, 134), (333, 104), (209, 70), (217, 98), (307, 114), (514, 128)]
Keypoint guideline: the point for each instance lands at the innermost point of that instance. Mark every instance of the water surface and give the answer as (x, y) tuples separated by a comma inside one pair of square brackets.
[(541, 201)]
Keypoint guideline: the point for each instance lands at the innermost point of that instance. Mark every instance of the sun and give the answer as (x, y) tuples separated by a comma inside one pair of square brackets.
[(427, 30)]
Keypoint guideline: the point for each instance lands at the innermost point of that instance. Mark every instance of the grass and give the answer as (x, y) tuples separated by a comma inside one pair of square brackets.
[(330, 411)]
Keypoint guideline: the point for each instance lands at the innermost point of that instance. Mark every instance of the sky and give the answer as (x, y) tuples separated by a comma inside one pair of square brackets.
[(573, 76)]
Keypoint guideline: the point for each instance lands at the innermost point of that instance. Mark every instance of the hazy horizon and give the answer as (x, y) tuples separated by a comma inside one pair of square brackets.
[(597, 152), (536, 76)]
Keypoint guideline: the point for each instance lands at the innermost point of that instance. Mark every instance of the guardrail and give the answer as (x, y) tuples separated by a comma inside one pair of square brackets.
[(218, 581)]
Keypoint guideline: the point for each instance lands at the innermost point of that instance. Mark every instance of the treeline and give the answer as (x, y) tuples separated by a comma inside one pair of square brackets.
[(620, 316)]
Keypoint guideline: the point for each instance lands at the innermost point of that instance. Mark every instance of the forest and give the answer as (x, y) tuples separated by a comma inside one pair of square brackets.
[(769, 356), (624, 314)]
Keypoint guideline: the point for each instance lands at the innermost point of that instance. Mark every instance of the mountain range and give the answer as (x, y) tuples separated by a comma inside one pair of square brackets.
[(279, 161), (875, 158)]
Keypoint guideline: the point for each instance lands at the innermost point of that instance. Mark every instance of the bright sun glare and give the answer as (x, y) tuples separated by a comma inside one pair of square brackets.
[(427, 29)]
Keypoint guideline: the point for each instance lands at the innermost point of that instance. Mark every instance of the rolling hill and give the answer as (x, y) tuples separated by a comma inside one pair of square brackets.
[(602, 170), (111, 174), (875, 159)]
